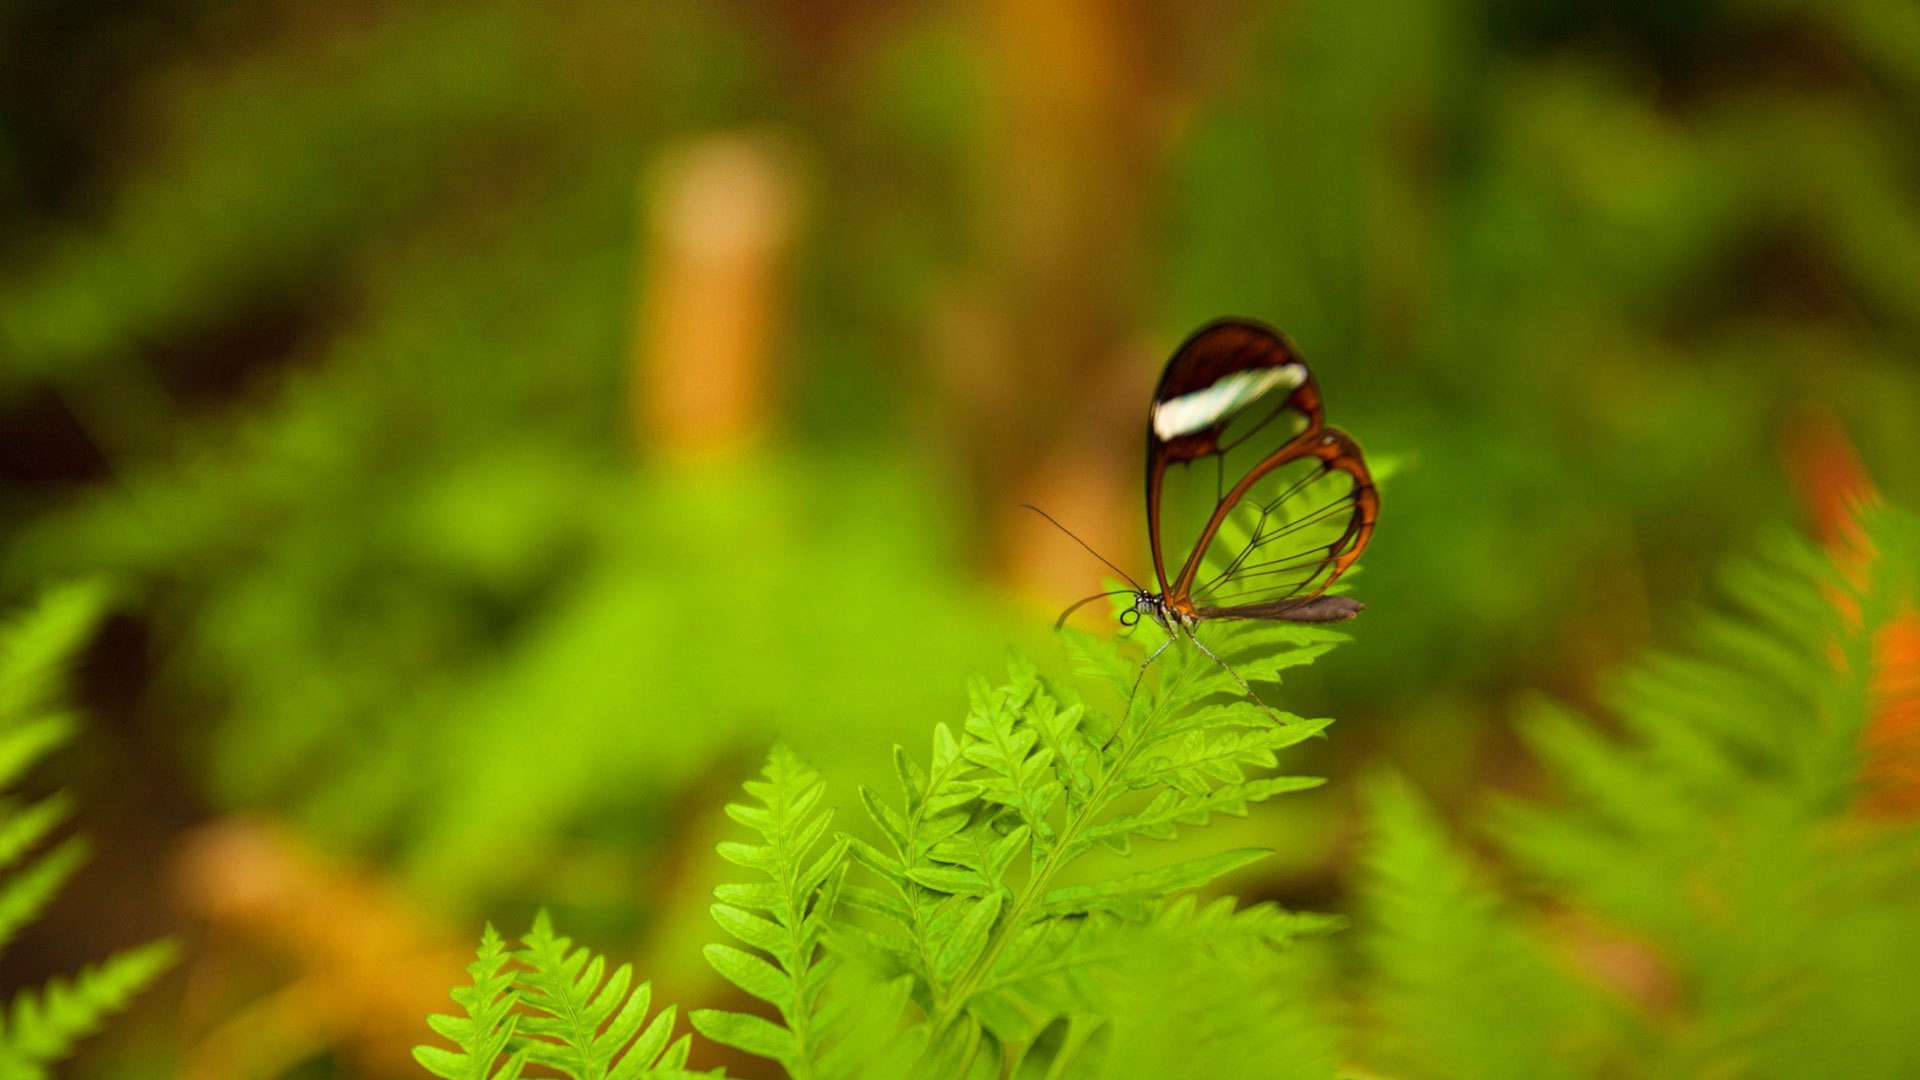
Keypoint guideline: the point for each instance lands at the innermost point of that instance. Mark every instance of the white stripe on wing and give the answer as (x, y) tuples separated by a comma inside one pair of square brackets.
[(1207, 407)]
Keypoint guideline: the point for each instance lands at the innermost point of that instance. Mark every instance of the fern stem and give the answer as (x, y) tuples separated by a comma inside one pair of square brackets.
[(969, 980), (799, 1023)]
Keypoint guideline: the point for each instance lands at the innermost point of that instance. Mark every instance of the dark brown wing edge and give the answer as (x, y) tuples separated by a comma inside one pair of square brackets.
[(1320, 609), (1338, 450)]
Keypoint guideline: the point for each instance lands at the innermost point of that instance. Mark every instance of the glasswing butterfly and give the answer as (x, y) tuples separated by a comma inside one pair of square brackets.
[(1269, 503)]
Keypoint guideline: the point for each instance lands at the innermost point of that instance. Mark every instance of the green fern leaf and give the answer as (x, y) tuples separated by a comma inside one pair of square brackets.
[(483, 1034), (744, 1031), (982, 854), (872, 1045), (41, 1027), (1289, 730), (997, 951), (1097, 659), (969, 936), (582, 1021), (1261, 650), (1230, 930), (788, 917), (1171, 1009)]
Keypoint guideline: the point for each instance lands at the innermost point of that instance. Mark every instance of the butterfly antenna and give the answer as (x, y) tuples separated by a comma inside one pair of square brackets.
[(1090, 551), (1078, 604)]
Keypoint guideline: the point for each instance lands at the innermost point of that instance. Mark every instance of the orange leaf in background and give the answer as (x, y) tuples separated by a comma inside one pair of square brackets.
[(302, 956), (1834, 486)]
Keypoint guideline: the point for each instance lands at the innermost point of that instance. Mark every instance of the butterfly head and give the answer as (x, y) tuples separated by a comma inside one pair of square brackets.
[(1154, 606)]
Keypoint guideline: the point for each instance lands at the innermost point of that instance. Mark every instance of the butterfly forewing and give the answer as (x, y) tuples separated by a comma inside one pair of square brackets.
[(1254, 504)]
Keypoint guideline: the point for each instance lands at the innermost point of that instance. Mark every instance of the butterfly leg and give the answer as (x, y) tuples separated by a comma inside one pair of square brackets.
[(1236, 677), (1135, 692)]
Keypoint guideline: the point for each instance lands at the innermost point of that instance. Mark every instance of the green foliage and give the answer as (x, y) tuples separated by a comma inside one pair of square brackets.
[(972, 897), (573, 1017), (40, 1027), (1720, 903), (971, 944), (1442, 939)]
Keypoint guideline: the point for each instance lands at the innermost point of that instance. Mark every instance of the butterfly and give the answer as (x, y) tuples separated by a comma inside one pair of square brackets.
[(1269, 503)]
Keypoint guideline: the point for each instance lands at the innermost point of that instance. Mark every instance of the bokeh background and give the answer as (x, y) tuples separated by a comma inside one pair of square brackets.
[(499, 422)]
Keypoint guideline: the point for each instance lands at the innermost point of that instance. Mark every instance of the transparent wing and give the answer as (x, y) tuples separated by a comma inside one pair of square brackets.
[(1294, 531)]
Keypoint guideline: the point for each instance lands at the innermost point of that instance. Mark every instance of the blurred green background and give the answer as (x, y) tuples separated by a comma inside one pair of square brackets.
[(499, 422)]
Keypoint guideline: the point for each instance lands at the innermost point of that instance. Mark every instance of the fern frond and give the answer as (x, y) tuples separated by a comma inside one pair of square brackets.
[(1711, 863), (35, 648), (483, 1034), (1231, 931), (1722, 830), (23, 895), (785, 919), (993, 942), (41, 1027), (1442, 945), (583, 1022), (1231, 1014), (926, 894)]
